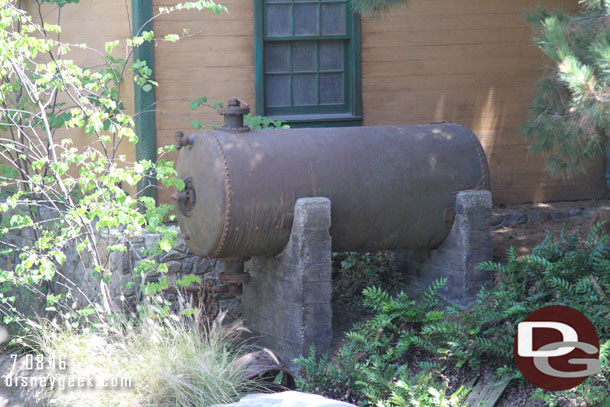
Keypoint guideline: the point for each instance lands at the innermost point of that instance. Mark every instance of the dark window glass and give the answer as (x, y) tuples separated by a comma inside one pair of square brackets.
[(304, 89), (278, 20), (277, 57), (331, 88), (305, 19), (331, 55), (332, 19), (306, 75), (277, 90), (304, 56)]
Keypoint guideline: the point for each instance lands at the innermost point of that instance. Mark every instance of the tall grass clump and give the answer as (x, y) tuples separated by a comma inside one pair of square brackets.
[(168, 363)]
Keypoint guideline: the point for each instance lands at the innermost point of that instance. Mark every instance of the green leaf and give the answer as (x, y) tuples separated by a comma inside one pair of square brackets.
[(109, 46), (196, 124), (60, 258), (197, 102), (148, 35), (188, 280), (165, 245)]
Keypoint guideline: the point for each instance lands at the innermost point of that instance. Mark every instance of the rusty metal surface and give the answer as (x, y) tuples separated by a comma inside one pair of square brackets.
[(182, 140), (186, 198), (390, 186), (233, 116), (234, 276)]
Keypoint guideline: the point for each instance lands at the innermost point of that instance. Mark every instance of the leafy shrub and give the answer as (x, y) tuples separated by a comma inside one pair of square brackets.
[(262, 122), (420, 337), (357, 271), (89, 191), (374, 383), (45, 98), (371, 367)]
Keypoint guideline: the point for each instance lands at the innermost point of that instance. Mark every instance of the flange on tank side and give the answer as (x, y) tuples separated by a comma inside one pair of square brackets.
[(390, 187)]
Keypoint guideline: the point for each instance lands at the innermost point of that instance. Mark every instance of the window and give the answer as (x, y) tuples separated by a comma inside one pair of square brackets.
[(307, 57)]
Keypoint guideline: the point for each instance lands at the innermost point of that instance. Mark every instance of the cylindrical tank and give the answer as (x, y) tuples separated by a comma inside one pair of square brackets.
[(390, 187)]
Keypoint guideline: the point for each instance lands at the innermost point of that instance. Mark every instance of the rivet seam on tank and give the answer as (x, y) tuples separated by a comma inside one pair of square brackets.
[(228, 195)]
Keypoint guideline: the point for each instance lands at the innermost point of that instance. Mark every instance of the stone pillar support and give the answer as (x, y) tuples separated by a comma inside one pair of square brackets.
[(287, 302), (467, 245)]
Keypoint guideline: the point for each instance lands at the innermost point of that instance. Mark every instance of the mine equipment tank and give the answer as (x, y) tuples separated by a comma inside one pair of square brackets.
[(390, 187)]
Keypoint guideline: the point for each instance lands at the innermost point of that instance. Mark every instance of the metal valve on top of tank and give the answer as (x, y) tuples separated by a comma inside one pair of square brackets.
[(233, 116)]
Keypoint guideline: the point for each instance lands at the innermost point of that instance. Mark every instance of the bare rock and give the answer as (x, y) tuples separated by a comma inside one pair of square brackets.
[(287, 399)]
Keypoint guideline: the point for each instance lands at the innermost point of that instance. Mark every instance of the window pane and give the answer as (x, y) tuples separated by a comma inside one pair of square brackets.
[(305, 19), (331, 88), (333, 18), (277, 90), (331, 55), (277, 56), (303, 56), (278, 20), (304, 89)]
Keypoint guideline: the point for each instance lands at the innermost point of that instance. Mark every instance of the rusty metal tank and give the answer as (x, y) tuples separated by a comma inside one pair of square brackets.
[(390, 187)]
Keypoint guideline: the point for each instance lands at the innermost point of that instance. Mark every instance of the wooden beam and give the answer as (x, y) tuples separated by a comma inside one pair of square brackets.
[(146, 148)]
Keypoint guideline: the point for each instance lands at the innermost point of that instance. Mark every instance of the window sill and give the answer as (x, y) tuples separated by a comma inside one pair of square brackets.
[(319, 120)]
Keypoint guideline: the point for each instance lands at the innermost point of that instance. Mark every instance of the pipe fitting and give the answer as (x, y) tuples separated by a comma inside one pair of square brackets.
[(233, 116), (182, 140)]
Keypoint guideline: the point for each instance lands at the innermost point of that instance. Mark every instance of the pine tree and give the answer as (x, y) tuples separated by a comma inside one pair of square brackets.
[(569, 121), (376, 7)]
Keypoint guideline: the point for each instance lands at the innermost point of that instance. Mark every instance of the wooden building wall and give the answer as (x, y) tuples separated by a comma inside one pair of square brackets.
[(217, 62), (93, 22), (468, 61), (472, 62)]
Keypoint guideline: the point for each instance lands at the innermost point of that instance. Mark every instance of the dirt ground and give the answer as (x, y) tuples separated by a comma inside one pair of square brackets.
[(544, 218)]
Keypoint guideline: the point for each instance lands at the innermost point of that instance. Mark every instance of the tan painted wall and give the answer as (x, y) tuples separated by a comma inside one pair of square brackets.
[(469, 61), (93, 22), (217, 62)]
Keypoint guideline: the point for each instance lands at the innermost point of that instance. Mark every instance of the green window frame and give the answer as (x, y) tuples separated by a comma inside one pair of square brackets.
[(289, 56)]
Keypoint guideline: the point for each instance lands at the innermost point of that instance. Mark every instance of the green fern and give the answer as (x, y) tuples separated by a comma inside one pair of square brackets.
[(429, 365), (376, 298), (371, 367), (491, 266), (430, 296), (561, 284)]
